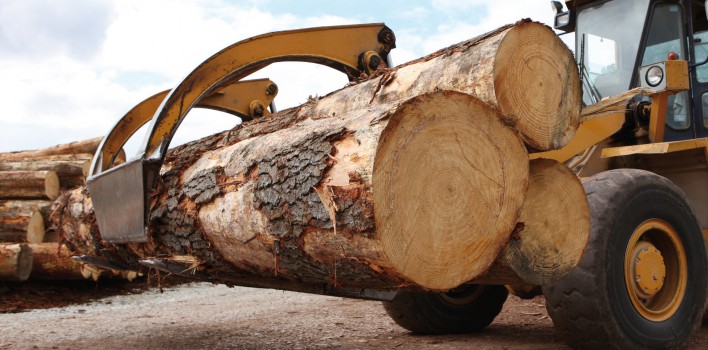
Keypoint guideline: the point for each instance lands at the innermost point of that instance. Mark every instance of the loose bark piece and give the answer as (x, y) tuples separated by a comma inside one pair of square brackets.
[(29, 184), (68, 167), (556, 225), (50, 262), (86, 146), (15, 262)]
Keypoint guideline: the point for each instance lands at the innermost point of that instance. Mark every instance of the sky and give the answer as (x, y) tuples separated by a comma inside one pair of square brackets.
[(69, 69)]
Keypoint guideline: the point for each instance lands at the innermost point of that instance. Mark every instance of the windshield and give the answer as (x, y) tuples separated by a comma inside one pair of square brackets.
[(608, 38)]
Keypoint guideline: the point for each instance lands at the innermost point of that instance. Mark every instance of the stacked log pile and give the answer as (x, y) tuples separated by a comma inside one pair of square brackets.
[(418, 178), (29, 182)]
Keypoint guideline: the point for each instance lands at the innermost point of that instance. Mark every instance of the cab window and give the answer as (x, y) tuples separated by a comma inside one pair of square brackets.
[(665, 37)]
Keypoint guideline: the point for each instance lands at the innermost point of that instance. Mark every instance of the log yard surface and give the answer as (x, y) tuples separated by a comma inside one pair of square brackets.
[(123, 315)]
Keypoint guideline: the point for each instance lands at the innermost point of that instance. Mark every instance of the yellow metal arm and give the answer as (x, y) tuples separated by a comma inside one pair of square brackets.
[(237, 99), (350, 49)]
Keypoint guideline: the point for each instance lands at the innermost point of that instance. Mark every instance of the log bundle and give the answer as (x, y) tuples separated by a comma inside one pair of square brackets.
[(29, 181), (417, 178)]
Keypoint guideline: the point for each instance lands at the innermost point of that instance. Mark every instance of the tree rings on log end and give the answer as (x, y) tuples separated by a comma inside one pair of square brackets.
[(449, 181), (556, 222), (537, 85)]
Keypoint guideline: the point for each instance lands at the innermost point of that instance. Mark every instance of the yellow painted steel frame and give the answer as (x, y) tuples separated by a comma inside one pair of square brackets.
[(657, 148), (597, 129), (677, 80), (338, 47), (588, 134), (234, 99)]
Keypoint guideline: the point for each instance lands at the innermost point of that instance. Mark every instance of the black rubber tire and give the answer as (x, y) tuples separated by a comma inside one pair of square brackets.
[(591, 306), (430, 313)]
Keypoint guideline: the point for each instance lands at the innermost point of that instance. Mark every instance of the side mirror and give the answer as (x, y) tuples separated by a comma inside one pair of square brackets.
[(565, 21)]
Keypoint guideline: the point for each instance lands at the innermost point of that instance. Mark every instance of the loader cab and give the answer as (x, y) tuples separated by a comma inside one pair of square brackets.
[(613, 38)]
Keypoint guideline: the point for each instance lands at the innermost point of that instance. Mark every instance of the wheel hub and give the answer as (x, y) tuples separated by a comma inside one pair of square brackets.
[(648, 269), (655, 270)]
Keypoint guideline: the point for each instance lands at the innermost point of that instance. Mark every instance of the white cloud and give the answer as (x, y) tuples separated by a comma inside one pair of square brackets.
[(498, 13), (70, 27), (60, 97), (71, 68), (457, 5)]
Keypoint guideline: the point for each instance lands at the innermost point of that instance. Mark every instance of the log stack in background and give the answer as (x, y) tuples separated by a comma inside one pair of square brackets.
[(416, 178), (29, 182)]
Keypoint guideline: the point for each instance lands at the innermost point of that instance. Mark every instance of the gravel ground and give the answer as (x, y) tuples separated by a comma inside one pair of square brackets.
[(206, 316)]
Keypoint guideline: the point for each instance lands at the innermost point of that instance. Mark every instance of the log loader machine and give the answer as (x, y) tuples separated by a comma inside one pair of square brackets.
[(644, 164)]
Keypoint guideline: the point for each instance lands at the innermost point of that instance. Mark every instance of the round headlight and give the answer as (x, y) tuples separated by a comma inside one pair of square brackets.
[(654, 76)]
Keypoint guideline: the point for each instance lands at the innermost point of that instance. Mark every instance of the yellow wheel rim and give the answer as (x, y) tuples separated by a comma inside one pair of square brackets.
[(655, 270)]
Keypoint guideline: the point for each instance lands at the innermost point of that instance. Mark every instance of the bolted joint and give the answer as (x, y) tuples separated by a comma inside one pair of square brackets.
[(387, 38), (374, 62), (272, 89), (369, 61), (257, 109)]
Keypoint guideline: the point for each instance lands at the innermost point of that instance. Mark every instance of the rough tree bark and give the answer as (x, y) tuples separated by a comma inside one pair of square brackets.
[(393, 182)]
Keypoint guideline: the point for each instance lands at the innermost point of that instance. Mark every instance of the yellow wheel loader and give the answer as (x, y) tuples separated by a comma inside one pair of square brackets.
[(642, 157), (642, 280), (643, 161)]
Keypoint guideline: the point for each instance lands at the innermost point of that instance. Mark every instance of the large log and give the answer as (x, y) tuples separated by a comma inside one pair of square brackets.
[(53, 262), (15, 262), (68, 167), (29, 184), (23, 221), (554, 225), (393, 182), (78, 147), (299, 203), (523, 70)]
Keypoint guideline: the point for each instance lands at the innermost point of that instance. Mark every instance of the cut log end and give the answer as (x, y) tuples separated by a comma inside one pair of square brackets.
[(51, 185), (35, 228), (23, 221), (449, 179), (537, 84), (556, 225), (15, 262)]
